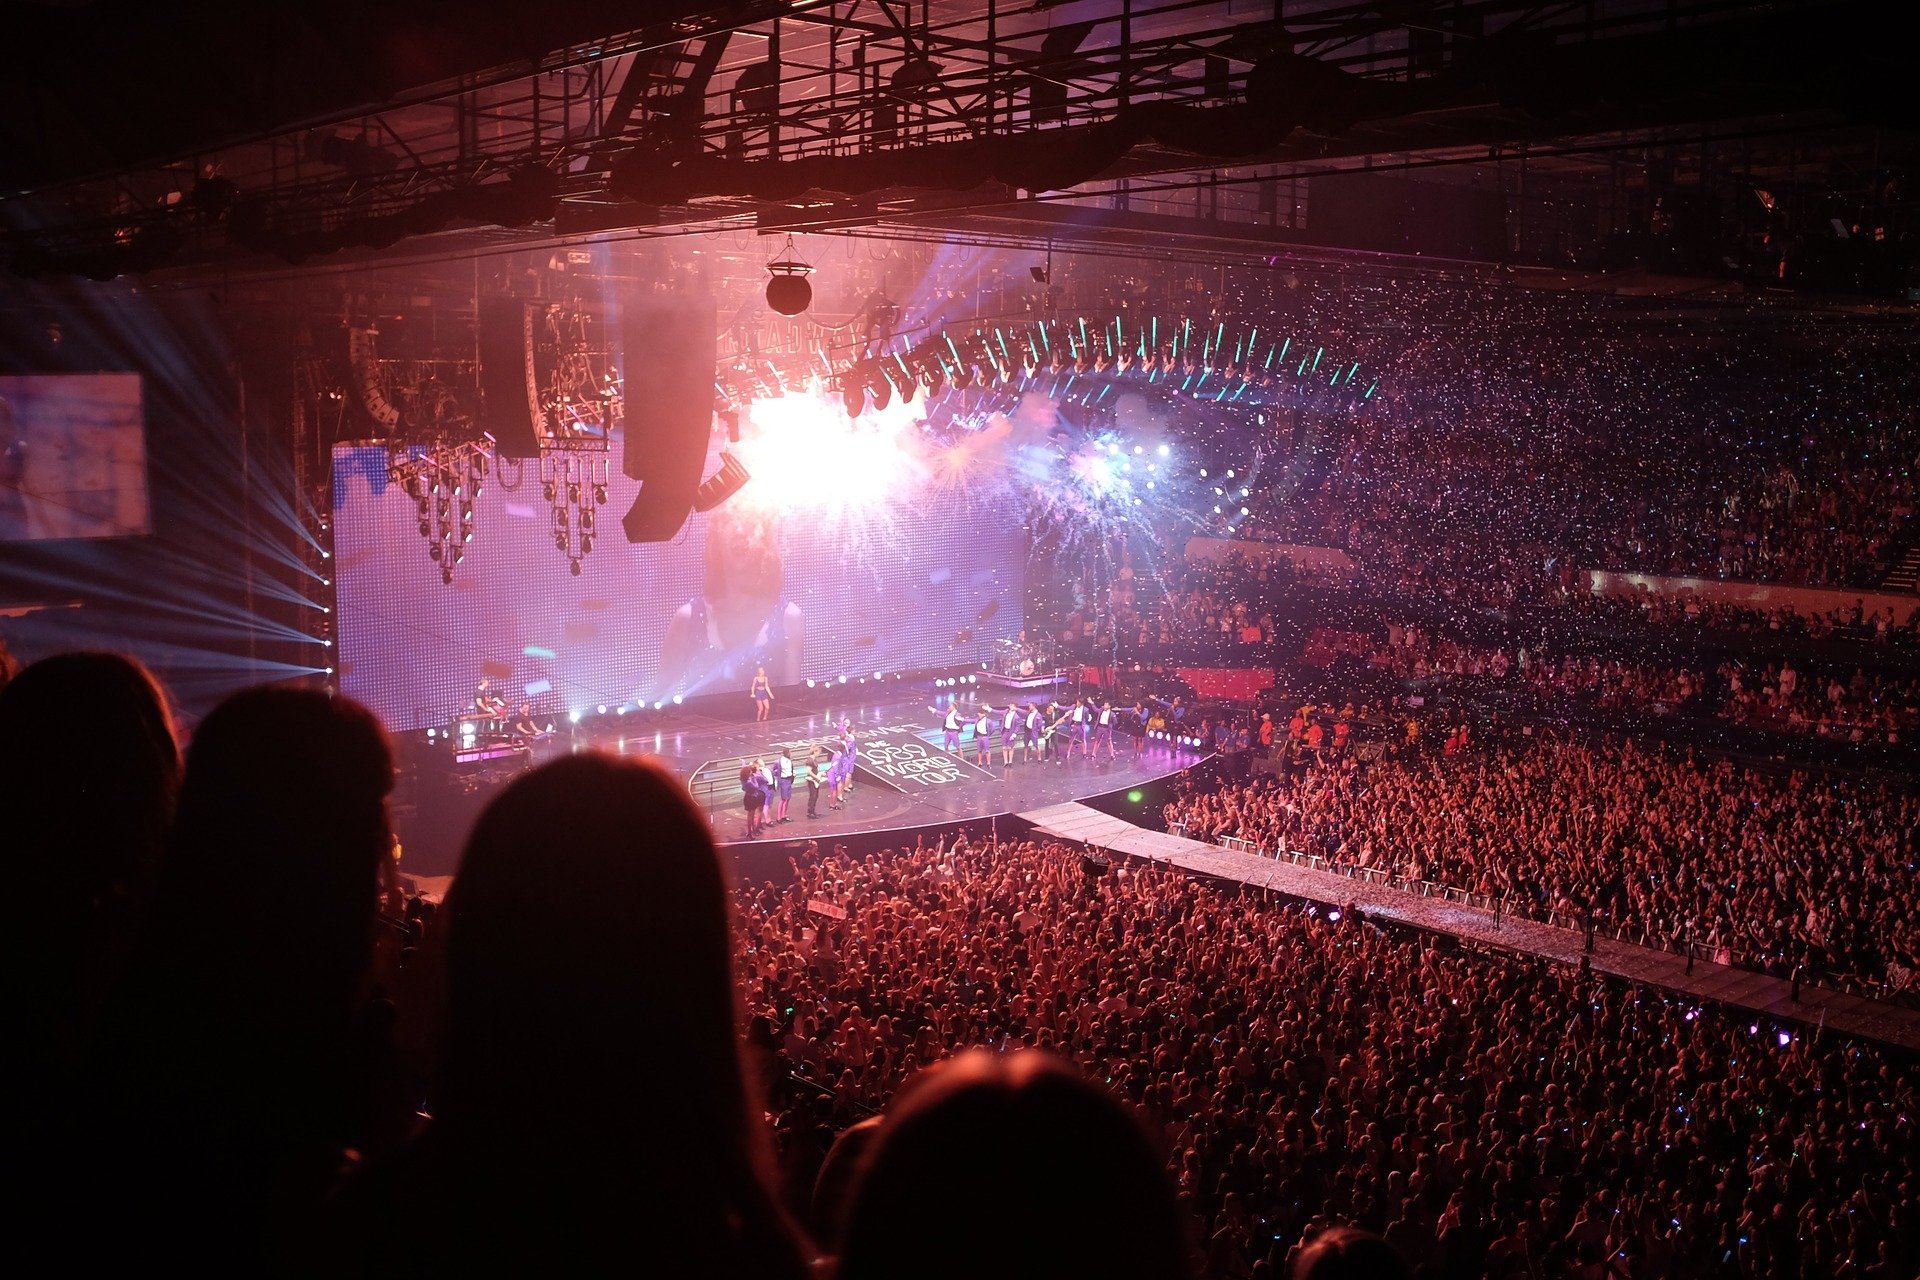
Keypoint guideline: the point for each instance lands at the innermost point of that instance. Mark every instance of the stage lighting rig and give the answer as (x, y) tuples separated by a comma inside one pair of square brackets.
[(445, 478), (582, 399)]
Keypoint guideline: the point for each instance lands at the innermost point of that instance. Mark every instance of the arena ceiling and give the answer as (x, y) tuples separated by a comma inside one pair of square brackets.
[(234, 138)]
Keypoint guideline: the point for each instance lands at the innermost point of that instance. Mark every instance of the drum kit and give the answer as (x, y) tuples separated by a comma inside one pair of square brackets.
[(1023, 658)]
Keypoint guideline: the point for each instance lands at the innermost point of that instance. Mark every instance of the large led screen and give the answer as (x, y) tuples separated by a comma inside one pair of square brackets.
[(839, 558), (73, 459)]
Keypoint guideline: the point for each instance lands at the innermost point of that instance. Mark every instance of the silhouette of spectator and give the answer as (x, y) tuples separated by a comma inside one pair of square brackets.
[(88, 772), (591, 1110), (1347, 1253), (833, 1187), (1014, 1167), (237, 1058)]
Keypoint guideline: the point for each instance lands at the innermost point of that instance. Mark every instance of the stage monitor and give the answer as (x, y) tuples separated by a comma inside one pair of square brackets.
[(73, 456)]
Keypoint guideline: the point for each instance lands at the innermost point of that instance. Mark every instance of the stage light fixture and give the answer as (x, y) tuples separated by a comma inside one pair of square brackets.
[(787, 289), (573, 567)]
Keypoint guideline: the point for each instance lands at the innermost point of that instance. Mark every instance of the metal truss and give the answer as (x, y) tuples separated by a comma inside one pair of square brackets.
[(701, 110)]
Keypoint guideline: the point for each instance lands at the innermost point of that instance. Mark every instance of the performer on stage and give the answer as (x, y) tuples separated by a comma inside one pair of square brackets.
[(1035, 725), (982, 733), (762, 692), (952, 727), (1104, 739), (1082, 727), (784, 782), (1009, 730), (526, 726), (752, 797), (810, 774), (850, 753), (488, 703)]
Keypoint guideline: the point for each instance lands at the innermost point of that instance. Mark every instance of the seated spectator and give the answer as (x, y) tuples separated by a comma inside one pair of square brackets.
[(590, 1107), (1014, 1167), (89, 767), (238, 1057)]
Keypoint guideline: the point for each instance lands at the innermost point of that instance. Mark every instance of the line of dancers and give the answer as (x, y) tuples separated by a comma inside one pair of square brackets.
[(1054, 731)]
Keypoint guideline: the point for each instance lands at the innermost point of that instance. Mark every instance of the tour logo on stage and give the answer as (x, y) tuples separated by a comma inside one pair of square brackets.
[(903, 761)]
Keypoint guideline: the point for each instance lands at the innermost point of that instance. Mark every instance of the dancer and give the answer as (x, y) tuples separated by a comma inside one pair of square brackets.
[(751, 796), (762, 691), (850, 752), (1082, 717), (1104, 739), (952, 739), (1009, 730), (810, 774), (1035, 723), (784, 782), (982, 732)]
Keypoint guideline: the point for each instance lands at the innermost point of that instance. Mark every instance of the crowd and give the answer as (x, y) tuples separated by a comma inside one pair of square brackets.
[(1586, 442), (1486, 1117), (241, 1048), (1829, 700), (1783, 872), (244, 1048)]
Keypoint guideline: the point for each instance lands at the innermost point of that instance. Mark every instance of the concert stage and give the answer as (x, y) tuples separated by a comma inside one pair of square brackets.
[(904, 781)]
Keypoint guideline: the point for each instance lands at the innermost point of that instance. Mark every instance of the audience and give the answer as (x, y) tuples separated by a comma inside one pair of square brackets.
[(1042, 1063), (1486, 1116), (1774, 871)]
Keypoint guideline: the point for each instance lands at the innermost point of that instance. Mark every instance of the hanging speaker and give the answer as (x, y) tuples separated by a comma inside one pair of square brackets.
[(669, 348), (509, 388)]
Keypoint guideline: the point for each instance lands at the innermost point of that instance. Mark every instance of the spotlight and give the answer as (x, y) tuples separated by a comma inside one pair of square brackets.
[(809, 684), (549, 491), (678, 699), (573, 717), (586, 544), (601, 709), (446, 575), (600, 494), (573, 567), (855, 397)]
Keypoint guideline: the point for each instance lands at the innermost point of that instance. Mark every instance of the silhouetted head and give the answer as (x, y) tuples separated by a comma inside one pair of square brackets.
[(278, 852), (589, 962), (1013, 1167), (1347, 1253), (89, 770), (592, 1045)]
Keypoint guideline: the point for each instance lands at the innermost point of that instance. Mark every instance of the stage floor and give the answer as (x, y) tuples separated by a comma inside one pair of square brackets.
[(690, 740)]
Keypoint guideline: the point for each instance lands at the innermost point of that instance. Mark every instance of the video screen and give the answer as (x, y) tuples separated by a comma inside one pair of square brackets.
[(73, 456), (840, 557)]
